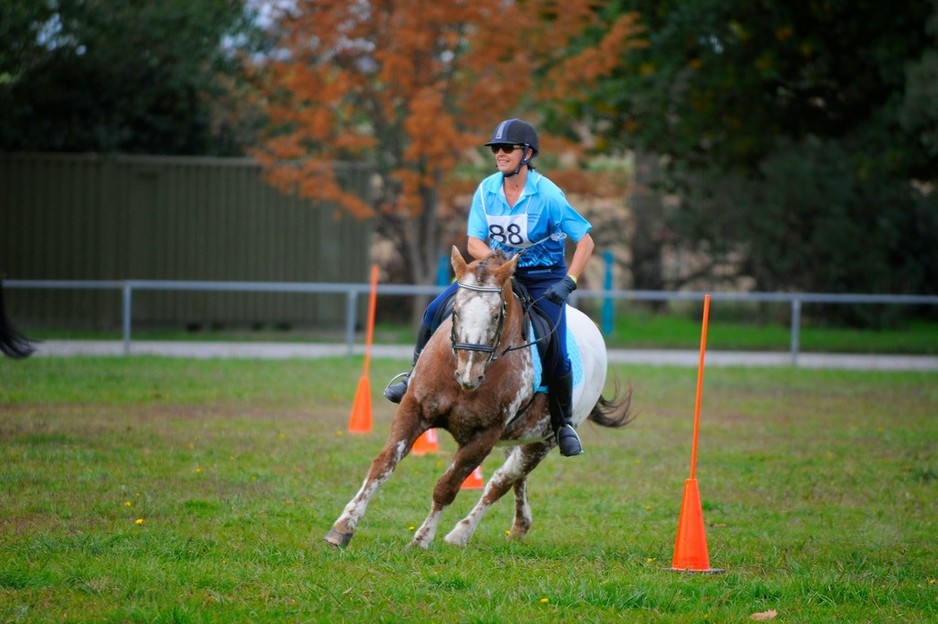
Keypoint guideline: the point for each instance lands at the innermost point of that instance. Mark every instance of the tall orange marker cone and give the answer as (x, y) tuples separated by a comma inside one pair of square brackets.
[(474, 481), (690, 546), (426, 443), (360, 420)]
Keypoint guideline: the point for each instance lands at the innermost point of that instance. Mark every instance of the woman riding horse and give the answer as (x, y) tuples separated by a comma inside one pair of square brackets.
[(476, 379), (519, 211)]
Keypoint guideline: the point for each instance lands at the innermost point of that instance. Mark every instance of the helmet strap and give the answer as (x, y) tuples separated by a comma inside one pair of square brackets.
[(523, 162)]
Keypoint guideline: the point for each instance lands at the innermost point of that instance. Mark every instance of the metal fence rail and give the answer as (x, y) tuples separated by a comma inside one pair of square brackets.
[(353, 290)]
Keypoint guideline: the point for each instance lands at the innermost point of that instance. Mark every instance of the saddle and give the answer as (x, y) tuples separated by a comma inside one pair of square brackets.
[(535, 322)]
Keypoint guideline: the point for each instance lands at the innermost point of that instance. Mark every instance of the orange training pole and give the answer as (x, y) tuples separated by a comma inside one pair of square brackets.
[(700, 370), (690, 545), (372, 303), (360, 420)]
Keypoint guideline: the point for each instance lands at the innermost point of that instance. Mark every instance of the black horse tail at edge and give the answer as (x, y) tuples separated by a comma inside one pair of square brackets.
[(12, 343), (614, 412)]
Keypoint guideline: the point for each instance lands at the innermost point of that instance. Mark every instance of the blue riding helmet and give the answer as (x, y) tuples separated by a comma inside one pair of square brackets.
[(515, 132)]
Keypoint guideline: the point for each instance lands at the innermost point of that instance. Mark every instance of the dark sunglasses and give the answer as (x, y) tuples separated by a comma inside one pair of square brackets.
[(505, 147)]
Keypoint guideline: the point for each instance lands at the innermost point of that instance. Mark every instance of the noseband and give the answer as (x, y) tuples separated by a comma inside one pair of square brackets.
[(482, 348)]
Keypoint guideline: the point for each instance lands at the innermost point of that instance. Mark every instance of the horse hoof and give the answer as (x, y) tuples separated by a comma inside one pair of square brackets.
[(418, 544), (456, 538), (339, 540)]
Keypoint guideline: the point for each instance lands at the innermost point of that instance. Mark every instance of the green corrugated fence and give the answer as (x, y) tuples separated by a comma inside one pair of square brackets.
[(117, 217)]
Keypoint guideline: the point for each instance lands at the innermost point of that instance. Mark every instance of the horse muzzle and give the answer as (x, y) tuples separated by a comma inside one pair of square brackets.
[(469, 383), (469, 374)]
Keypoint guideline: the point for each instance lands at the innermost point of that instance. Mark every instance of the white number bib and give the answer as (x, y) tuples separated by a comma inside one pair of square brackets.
[(510, 230)]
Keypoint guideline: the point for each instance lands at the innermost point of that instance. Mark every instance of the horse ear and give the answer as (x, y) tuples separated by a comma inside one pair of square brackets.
[(459, 265), (504, 272)]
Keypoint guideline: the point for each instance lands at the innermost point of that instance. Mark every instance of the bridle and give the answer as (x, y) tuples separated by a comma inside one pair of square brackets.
[(478, 347), (492, 349)]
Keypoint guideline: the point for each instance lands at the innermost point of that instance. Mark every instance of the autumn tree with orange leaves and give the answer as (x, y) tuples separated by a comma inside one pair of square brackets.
[(414, 88)]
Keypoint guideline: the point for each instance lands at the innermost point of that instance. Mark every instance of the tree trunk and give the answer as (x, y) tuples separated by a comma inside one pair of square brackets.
[(648, 215), (424, 250)]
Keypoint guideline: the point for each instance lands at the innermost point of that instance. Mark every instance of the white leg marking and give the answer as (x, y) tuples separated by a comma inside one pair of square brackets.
[(356, 507), (427, 530), (509, 472), (464, 529)]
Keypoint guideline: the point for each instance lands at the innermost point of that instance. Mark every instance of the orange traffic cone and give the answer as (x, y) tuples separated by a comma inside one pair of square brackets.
[(426, 443), (360, 421), (690, 547), (474, 481)]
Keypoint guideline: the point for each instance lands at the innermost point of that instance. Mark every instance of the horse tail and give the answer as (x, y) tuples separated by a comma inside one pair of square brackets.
[(12, 343), (615, 412)]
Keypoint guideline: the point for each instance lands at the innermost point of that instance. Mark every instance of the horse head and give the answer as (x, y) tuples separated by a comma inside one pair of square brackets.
[(480, 314)]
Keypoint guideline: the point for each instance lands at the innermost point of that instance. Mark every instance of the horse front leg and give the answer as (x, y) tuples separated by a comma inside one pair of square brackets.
[(467, 458), (405, 430), (497, 485), (519, 463)]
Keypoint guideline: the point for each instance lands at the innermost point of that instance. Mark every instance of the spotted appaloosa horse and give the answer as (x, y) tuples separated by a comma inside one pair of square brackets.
[(12, 343), (476, 379)]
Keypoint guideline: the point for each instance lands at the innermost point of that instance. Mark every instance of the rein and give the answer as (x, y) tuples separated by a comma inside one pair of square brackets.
[(531, 343)]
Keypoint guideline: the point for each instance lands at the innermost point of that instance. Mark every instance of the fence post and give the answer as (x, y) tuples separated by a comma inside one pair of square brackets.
[(350, 313), (795, 329), (608, 314), (125, 318)]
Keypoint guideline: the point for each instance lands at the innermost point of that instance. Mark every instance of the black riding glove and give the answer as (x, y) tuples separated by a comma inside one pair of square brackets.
[(559, 291)]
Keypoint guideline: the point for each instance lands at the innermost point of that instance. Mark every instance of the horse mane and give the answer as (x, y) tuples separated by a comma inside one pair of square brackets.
[(498, 257), (489, 264)]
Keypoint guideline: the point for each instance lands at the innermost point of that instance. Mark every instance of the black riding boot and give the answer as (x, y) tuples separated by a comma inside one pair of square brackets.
[(560, 402), (395, 393)]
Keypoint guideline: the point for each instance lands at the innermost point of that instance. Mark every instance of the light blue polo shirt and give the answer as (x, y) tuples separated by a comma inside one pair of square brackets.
[(538, 223)]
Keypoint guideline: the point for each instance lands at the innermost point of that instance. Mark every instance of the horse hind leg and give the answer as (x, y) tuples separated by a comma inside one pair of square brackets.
[(532, 455), (523, 518)]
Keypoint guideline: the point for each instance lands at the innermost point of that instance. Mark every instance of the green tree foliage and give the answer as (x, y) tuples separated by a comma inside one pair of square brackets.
[(149, 76), (800, 137)]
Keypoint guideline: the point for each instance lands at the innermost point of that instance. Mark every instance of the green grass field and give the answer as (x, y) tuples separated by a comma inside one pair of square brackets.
[(163, 490)]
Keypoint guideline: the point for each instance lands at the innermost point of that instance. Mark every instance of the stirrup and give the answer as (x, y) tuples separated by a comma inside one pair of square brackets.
[(394, 392), (569, 441), (405, 374)]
